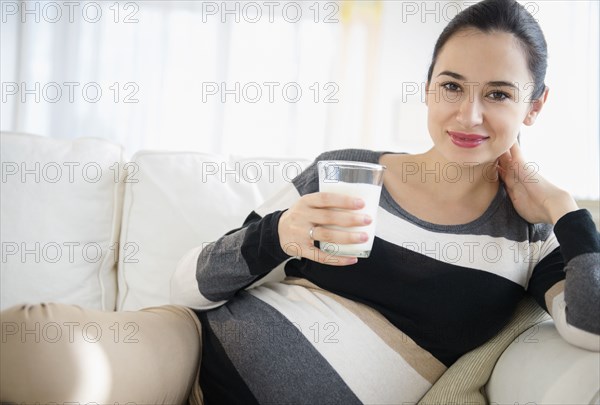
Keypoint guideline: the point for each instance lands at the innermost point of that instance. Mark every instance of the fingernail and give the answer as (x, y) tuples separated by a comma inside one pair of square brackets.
[(364, 237), (353, 260), (359, 203), (367, 219)]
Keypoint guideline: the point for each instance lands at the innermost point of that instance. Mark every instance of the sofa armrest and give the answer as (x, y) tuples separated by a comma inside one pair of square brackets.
[(540, 367)]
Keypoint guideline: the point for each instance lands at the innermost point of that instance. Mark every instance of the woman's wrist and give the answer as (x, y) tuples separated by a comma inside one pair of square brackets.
[(559, 206)]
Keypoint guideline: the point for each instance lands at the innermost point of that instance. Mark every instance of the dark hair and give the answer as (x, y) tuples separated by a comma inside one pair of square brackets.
[(504, 16)]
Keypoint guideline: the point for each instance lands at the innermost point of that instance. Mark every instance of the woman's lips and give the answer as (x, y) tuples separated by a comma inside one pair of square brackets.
[(465, 140)]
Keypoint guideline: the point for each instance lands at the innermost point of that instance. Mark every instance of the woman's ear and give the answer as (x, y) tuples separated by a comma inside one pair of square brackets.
[(536, 107)]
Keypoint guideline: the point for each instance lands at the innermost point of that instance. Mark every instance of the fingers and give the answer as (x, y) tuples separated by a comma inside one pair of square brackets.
[(505, 159), (333, 200), (512, 155), (335, 209), (506, 169), (330, 240), (326, 256), (329, 235), (328, 216), (516, 153), (511, 166), (339, 218)]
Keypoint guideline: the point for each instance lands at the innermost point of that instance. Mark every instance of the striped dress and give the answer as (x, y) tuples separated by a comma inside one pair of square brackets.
[(283, 330)]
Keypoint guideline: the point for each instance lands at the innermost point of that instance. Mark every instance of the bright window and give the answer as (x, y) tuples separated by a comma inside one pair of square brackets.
[(274, 78)]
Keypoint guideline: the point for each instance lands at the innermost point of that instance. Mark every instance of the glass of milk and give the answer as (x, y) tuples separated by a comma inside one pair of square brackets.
[(355, 179)]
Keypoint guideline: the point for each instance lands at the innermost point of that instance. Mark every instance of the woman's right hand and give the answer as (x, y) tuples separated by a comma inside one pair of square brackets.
[(314, 212)]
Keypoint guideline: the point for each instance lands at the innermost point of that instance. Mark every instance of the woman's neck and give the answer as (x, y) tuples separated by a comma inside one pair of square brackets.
[(454, 180), (438, 191)]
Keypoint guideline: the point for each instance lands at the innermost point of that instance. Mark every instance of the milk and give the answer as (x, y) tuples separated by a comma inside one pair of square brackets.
[(369, 193)]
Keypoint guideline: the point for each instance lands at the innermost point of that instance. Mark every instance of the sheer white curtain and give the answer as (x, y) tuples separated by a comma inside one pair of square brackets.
[(287, 78)]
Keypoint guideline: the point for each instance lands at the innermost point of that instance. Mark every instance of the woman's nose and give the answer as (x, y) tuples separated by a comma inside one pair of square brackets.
[(470, 112)]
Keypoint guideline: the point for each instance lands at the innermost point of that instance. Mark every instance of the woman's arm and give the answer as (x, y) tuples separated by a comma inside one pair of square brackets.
[(277, 231), (573, 302), (207, 276), (567, 281)]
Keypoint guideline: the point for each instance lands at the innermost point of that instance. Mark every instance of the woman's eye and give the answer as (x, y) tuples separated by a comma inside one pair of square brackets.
[(451, 86), (498, 96)]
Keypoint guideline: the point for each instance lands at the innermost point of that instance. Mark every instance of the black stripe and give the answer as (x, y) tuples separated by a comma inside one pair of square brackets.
[(261, 249), (446, 309), (577, 234)]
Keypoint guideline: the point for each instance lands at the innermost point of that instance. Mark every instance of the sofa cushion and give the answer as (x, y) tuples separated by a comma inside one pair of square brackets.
[(176, 201), (464, 382), (60, 215), (550, 371)]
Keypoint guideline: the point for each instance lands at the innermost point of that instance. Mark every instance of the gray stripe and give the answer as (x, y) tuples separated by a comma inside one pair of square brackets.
[(582, 292), (499, 220), (221, 269), (275, 360)]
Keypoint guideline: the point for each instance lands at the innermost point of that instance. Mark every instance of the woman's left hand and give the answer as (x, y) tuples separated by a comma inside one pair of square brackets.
[(534, 197)]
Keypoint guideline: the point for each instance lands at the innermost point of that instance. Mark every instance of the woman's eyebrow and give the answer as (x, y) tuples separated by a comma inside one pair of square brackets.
[(452, 74), (494, 83), (502, 83)]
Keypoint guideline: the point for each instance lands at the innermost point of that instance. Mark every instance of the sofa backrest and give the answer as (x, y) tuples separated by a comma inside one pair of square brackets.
[(82, 225), (60, 219), (177, 201)]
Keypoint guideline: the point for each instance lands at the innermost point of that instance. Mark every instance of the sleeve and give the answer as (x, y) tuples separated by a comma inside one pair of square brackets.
[(566, 282), (208, 276)]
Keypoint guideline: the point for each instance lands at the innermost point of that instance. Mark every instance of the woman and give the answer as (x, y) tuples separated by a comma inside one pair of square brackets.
[(384, 329)]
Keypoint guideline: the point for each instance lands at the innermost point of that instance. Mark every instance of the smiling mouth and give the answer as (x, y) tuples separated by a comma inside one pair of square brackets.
[(465, 140)]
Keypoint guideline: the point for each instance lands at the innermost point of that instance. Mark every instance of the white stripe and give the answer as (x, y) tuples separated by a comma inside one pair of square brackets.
[(506, 258), (374, 372), (570, 333)]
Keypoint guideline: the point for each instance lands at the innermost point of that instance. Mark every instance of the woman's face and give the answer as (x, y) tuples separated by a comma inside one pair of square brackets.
[(478, 97)]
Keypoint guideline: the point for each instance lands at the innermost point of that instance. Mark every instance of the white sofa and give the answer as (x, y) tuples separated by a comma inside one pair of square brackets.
[(82, 225)]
